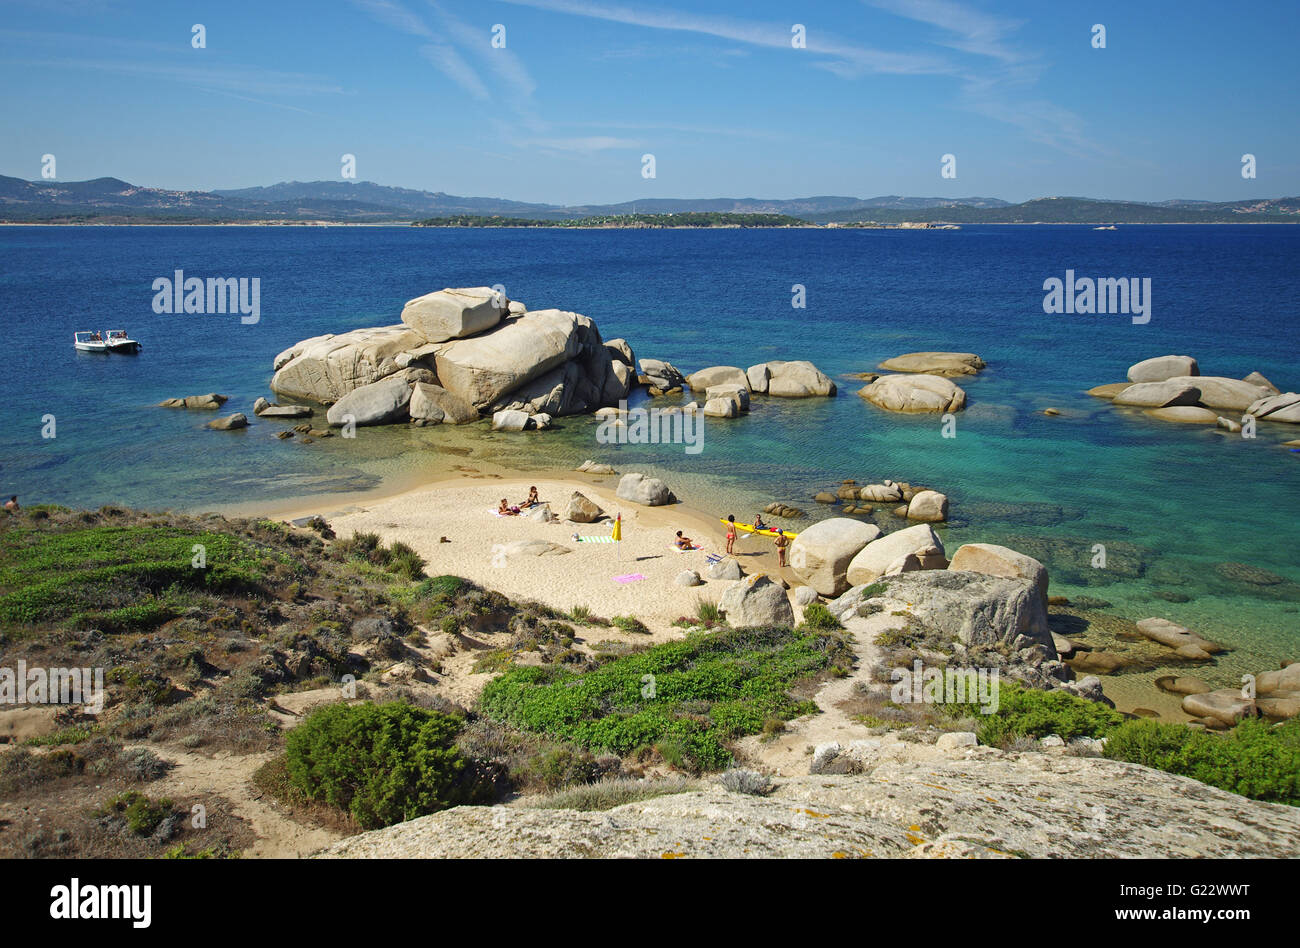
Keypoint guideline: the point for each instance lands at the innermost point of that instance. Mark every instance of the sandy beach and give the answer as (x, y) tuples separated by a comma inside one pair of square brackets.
[(463, 510)]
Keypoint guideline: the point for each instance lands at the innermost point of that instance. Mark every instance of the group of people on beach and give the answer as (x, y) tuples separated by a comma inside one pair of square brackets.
[(508, 510)]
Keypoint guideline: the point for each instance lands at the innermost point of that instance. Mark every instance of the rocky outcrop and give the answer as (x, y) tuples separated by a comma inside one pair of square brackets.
[(820, 555), (210, 402), (484, 368), (905, 551), (756, 601), (928, 505), (1161, 368), (648, 491), (909, 800), (1109, 390), (946, 364), (433, 404), (1186, 643), (1230, 394), (454, 314), (1184, 415), (662, 375), (582, 509), (1281, 407), (914, 393)]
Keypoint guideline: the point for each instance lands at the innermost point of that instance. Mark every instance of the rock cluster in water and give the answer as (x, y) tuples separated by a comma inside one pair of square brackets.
[(1171, 388)]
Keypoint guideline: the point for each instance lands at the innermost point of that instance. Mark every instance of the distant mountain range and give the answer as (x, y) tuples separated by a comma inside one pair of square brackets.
[(111, 200)]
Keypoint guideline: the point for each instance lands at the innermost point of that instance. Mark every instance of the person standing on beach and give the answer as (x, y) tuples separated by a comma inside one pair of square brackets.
[(731, 534), (780, 542)]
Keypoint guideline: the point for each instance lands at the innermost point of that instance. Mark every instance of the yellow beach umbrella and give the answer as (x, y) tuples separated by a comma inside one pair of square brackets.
[(618, 528)]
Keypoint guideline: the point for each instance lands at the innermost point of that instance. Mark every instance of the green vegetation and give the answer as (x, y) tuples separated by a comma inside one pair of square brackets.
[(398, 558), (1026, 712), (141, 814), (382, 763), (818, 618), (122, 577), (1254, 759), (685, 698), (630, 624), (684, 219)]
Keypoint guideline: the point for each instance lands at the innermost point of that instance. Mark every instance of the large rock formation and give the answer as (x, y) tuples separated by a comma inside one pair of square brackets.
[(820, 555), (717, 375), (649, 491), (379, 403), (799, 379), (475, 352), (1159, 394), (935, 363), (662, 375), (905, 551), (1277, 408), (994, 560), (914, 393), (1232, 394)]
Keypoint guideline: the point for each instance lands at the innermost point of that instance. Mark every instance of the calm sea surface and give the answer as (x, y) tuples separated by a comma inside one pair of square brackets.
[(1171, 503)]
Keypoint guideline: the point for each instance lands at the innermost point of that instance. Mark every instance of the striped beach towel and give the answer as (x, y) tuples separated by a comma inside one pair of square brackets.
[(595, 539)]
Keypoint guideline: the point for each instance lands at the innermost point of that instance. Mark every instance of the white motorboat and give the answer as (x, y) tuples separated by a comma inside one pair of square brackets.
[(89, 342), (119, 341)]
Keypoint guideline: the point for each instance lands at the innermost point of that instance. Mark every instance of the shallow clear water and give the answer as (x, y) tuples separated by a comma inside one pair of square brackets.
[(1169, 502)]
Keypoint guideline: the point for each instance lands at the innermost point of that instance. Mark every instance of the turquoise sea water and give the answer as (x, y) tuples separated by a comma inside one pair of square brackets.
[(1171, 503)]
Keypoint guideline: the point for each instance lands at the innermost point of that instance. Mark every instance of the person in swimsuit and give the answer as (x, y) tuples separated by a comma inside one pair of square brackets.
[(683, 543), (780, 542), (506, 510), (758, 522), (11, 504), (532, 500), (731, 533)]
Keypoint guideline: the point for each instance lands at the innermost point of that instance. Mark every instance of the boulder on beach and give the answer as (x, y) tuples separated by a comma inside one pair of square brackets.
[(914, 393), (209, 402), (511, 421), (946, 364), (582, 509), (726, 568), (705, 379), (928, 505), (454, 313), (994, 560), (433, 403), (325, 368), (1184, 414), (722, 408), (1159, 394), (756, 601), (229, 422), (649, 491), (1225, 705), (1161, 368), (906, 550), (379, 403), (688, 577), (805, 595), (820, 555)]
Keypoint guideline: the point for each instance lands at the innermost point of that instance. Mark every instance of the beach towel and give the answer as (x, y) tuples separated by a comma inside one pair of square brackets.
[(498, 513), (595, 539), (629, 578), (674, 547)]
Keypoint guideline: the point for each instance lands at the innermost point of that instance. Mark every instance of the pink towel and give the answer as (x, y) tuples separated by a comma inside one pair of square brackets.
[(629, 578)]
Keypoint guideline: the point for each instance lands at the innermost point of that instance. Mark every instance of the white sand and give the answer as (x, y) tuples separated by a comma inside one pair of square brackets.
[(462, 510)]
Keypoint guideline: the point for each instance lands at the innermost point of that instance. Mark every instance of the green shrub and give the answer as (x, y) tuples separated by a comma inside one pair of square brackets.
[(141, 814), (707, 612), (630, 624), (404, 561), (1026, 712), (382, 763), (818, 618), (1254, 759)]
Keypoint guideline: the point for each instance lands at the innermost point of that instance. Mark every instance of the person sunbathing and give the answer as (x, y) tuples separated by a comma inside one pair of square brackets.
[(683, 543), (758, 522), (532, 500), (505, 510)]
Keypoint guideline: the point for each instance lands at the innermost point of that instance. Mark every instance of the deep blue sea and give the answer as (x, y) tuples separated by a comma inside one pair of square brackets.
[(1171, 503)]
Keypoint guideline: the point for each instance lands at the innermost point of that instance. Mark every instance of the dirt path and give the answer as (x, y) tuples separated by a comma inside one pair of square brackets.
[(231, 777)]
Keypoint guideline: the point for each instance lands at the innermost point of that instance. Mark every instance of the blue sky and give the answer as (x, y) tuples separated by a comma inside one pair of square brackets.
[(714, 90)]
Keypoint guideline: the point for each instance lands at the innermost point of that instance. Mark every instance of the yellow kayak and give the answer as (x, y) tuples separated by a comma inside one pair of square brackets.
[(764, 532)]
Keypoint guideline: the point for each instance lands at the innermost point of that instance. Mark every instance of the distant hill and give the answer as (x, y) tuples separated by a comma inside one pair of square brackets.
[(111, 200)]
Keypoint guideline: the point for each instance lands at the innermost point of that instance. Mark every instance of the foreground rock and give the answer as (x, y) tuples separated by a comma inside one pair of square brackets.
[(649, 491), (964, 802), (914, 393), (210, 402), (379, 403), (935, 363), (820, 555), (756, 601)]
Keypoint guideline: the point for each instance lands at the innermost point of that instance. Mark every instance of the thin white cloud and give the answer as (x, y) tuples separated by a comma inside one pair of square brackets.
[(455, 68), (396, 16), (233, 79), (976, 32), (592, 143)]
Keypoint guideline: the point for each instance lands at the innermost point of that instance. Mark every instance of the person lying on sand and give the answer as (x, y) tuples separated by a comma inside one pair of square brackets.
[(683, 543), (505, 510), (532, 500)]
